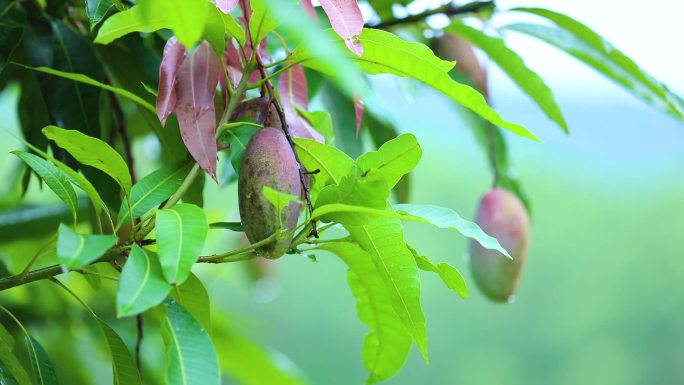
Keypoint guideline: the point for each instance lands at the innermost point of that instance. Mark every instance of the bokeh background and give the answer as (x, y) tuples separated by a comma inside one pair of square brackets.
[(602, 297)]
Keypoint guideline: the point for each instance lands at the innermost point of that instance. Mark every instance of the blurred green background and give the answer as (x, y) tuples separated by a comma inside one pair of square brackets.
[(601, 300), (602, 297)]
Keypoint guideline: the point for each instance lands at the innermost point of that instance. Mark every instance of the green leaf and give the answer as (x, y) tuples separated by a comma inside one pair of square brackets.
[(94, 280), (43, 371), (77, 179), (186, 18), (142, 283), (279, 200), (438, 216), (234, 29), (238, 139), (193, 296), (92, 152), (5, 337), (321, 121), (218, 26), (123, 365), (152, 190), (341, 107), (586, 45), (387, 345), (355, 189), (195, 193), (514, 66), (451, 277), (215, 30), (12, 31), (383, 239), (393, 159), (382, 130), (332, 163), (96, 10), (446, 218), (248, 363), (233, 226), (76, 250), (71, 104), (11, 371), (181, 231), (191, 357), (92, 82), (261, 22), (55, 178), (385, 53), (33, 111)]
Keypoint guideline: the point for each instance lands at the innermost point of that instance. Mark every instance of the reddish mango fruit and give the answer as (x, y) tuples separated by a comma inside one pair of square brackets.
[(503, 216), (255, 109), (268, 161)]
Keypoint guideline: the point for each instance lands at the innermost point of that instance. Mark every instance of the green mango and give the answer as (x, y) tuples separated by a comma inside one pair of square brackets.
[(268, 161), (502, 215)]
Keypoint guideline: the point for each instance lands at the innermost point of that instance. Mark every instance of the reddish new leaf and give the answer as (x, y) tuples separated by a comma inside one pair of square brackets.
[(195, 88), (359, 107), (234, 67), (294, 88), (174, 53), (346, 19), (309, 8), (294, 92), (226, 6)]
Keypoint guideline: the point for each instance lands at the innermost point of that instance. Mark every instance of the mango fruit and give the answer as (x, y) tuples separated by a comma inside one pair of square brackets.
[(268, 161), (502, 215), (255, 109)]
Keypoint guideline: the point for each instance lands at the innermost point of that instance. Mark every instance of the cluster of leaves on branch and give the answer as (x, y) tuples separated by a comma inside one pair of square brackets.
[(228, 89)]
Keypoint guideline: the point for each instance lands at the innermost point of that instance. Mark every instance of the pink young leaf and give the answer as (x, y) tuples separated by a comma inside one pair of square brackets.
[(359, 107), (233, 66), (195, 88), (309, 8), (226, 6), (294, 92), (294, 89), (174, 53), (346, 19), (301, 128)]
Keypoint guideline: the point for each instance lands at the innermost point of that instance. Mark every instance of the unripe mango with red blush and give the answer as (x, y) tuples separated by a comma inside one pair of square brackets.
[(255, 109), (502, 215), (268, 161)]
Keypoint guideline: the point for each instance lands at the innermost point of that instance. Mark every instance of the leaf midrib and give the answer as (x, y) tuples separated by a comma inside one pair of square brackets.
[(146, 277), (394, 284)]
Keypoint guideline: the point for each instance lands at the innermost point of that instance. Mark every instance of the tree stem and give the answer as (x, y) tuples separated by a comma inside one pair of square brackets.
[(51, 271), (448, 10)]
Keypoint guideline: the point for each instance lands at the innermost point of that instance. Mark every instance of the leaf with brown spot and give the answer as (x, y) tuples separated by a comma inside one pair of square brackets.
[(196, 84)]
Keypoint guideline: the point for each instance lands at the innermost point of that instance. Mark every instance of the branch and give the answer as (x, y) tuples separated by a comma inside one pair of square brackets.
[(448, 10), (49, 272)]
